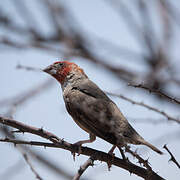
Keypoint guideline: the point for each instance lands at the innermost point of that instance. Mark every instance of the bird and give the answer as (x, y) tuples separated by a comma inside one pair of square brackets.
[(92, 110)]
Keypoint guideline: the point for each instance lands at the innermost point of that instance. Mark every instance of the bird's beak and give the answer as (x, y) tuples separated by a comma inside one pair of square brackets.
[(50, 70)]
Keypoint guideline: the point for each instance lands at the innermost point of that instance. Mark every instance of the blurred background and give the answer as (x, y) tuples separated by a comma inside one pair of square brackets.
[(118, 43)]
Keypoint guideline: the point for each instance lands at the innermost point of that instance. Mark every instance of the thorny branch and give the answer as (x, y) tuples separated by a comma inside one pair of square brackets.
[(38, 156), (156, 91), (97, 155), (173, 159), (44, 160), (170, 118)]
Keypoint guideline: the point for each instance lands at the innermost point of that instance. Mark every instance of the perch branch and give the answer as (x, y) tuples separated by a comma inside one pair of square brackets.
[(98, 155)]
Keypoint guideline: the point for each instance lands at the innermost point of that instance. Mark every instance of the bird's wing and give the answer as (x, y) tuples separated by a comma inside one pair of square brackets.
[(91, 89), (92, 109)]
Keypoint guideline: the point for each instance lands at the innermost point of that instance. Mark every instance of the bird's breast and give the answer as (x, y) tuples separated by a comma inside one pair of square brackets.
[(68, 98)]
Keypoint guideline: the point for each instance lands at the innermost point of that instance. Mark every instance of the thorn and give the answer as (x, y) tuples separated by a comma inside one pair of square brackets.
[(41, 129), (109, 163), (62, 141), (147, 161), (164, 145), (79, 146), (17, 131), (130, 173), (136, 150), (127, 160), (109, 166), (92, 162), (139, 162), (79, 150), (74, 155), (80, 170), (6, 138)]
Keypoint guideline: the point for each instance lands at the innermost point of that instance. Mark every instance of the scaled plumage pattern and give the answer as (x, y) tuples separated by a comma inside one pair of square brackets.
[(92, 109)]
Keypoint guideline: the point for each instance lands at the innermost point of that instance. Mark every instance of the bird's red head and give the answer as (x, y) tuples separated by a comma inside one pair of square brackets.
[(61, 69)]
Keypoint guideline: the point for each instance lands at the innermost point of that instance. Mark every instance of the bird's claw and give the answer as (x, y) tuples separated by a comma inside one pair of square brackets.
[(79, 150), (74, 155), (109, 163), (79, 144)]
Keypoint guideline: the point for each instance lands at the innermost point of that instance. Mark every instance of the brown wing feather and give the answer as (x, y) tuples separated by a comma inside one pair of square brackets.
[(90, 113)]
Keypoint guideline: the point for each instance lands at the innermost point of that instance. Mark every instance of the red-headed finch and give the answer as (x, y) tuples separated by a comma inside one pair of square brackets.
[(92, 109)]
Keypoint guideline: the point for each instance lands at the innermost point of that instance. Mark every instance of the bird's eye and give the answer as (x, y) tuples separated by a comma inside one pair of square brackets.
[(58, 65)]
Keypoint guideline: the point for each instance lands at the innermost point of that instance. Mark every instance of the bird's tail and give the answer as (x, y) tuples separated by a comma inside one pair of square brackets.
[(150, 146)]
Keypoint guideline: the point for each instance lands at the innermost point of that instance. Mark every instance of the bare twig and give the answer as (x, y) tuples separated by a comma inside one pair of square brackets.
[(173, 159), (28, 68), (123, 11), (167, 24), (148, 29), (160, 93), (147, 120), (31, 167), (170, 118), (172, 11), (27, 16), (83, 168), (97, 155)]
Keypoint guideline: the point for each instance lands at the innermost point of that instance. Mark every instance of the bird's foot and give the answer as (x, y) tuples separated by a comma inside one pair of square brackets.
[(79, 144), (76, 145), (112, 150), (109, 163), (122, 154)]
